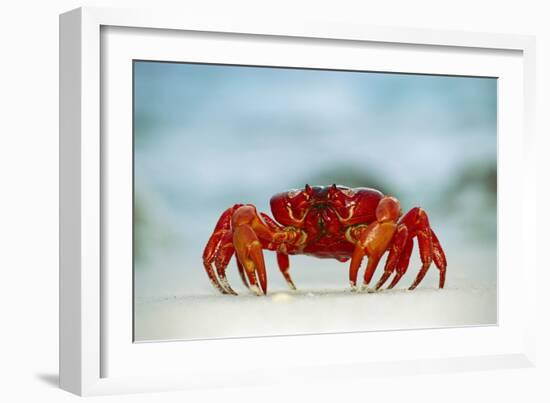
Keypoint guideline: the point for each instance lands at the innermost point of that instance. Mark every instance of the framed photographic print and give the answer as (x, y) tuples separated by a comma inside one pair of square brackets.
[(232, 190)]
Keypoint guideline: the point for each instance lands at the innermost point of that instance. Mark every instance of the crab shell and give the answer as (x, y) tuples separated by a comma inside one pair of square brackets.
[(325, 212)]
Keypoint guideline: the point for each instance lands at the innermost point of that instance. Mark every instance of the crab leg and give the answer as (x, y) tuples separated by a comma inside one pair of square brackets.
[(359, 253), (213, 245), (282, 258), (410, 221), (417, 223), (224, 255), (426, 252), (403, 263), (439, 258), (372, 241), (396, 250), (208, 257), (282, 261)]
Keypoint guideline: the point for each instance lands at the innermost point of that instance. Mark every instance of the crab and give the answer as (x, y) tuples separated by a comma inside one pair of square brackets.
[(335, 222)]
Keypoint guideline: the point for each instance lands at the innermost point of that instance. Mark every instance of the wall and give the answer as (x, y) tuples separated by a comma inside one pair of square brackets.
[(28, 206)]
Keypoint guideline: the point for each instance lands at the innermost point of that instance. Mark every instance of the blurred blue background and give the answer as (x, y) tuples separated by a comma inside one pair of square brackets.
[(209, 136)]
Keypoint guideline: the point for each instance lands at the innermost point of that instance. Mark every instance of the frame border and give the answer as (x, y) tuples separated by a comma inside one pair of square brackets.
[(80, 307)]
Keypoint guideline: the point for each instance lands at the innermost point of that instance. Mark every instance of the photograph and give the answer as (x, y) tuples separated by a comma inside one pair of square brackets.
[(282, 200)]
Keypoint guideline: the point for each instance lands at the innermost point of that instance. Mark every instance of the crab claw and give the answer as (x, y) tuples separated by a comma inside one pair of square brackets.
[(371, 241), (250, 255)]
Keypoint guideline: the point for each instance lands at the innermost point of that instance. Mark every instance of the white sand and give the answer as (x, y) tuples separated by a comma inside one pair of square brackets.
[(188, 307), (311, 311)]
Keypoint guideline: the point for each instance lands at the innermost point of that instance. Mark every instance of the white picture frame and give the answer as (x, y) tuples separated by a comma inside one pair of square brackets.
[(89, 341)]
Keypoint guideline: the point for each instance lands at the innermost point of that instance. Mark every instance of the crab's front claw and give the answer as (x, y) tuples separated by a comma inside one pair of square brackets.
[(371, 241), (241, 231), (247, 225), (249, 253)]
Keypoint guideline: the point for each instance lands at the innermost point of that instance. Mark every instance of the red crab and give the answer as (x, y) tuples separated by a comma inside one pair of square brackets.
[(326, 222)]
